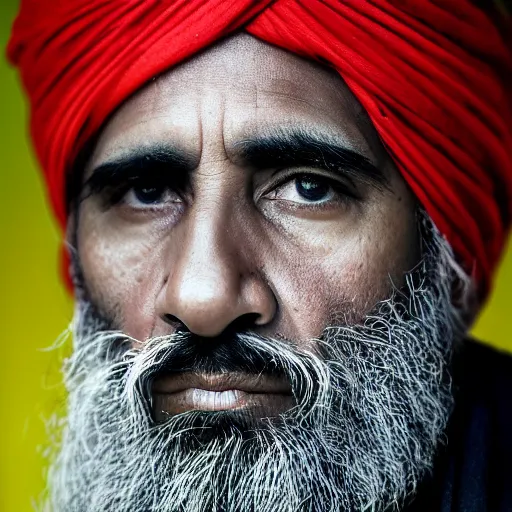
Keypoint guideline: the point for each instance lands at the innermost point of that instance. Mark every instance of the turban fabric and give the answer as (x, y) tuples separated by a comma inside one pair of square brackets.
[(433, 75)]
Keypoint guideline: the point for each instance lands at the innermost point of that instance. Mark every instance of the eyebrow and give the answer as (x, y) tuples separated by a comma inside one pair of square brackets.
[(308, 148), (154, 162), (279, 149)]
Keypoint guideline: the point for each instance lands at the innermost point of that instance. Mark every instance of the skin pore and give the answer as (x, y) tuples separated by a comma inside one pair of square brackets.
[(245, 189)]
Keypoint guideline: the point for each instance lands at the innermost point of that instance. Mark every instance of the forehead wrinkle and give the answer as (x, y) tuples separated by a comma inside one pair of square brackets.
[(315, 115), (280, 95), (335, 111)]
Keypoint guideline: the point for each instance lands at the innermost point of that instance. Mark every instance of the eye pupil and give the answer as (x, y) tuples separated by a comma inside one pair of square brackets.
[(148, 194), (311, 189)]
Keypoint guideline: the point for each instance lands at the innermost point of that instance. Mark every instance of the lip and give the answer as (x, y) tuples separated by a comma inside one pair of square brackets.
[(260, 384), (174, 394)]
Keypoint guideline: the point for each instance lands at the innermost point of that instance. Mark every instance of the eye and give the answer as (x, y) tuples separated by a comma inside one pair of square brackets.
[(306, 189), (150, 195)]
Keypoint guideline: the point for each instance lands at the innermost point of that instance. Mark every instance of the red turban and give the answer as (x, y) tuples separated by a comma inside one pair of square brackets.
[(432, 74)]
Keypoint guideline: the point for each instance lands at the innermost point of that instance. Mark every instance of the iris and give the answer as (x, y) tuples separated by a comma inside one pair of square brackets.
[(311, 188), (149, 194)]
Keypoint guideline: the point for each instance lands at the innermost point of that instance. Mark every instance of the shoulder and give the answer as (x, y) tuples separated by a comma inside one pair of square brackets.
[(483, 371), (480, 437), (483, 389)]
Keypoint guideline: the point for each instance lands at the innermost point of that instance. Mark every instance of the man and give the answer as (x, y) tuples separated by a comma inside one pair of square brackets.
[(282, 218)]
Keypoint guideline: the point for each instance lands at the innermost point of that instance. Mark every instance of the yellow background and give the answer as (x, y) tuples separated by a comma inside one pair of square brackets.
[(34, 308)]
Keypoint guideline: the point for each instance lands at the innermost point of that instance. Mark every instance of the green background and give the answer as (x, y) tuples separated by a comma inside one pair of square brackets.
[(35, 309)]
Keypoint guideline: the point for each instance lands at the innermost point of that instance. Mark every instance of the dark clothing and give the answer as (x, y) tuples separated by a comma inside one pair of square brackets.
[(473, 472)]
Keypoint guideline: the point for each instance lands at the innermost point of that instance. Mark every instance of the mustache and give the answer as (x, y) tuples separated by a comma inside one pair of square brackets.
[(247, 353), (230, 352)]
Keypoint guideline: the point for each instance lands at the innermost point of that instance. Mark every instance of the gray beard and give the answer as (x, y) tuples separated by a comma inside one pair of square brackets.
[(372, 404)]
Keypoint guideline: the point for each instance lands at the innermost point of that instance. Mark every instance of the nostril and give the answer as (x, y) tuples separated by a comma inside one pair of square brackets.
[(171, 318), (175, 322), (244, 323)]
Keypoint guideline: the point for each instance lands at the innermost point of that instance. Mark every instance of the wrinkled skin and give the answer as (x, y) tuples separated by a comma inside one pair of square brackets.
[(240, 245)]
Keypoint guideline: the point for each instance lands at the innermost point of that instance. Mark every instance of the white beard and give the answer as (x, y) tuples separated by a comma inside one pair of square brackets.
[(372, 405)]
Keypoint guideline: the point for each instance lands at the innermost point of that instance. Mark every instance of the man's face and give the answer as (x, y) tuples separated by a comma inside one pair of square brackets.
[(283, 310), (248, 187)]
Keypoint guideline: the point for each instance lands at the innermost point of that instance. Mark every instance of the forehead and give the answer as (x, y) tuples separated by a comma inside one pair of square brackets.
[(234, 90)]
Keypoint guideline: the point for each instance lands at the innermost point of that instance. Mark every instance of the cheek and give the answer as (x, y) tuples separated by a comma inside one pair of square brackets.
[(338, 273), (338, 288), (123, 273)]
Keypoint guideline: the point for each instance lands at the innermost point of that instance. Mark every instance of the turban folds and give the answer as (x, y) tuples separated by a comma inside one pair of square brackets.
[(433, 75)]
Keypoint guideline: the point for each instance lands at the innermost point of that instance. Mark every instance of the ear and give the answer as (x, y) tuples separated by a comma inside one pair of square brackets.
[(70, 259)]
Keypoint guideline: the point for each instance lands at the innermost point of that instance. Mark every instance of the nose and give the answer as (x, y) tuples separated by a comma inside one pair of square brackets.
[(211, 284)]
